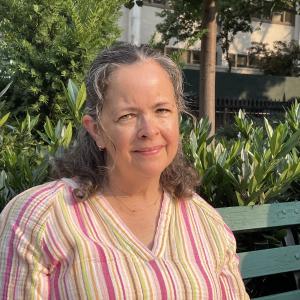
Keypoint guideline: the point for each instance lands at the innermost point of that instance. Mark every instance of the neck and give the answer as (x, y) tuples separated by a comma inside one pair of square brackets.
[(136, 196), (136, 186)]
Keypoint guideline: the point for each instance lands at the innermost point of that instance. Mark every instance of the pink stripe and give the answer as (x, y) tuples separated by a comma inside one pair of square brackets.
[(57, 265), (189, 230), (15, 226), (201, 244), (117, 266), (163, 289), (55, 284), (229, 231), (230, 280), (17, 275), (224, 297), (120, 277), (101, 254), (54, 260), (172, 281), (231, 286)]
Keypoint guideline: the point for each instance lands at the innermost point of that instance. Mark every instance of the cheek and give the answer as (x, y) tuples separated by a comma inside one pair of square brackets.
[(119, 142), (172, 133), (175, 139)]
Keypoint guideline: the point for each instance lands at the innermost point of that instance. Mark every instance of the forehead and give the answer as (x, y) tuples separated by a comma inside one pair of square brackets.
[(141, 83), (139, 73)]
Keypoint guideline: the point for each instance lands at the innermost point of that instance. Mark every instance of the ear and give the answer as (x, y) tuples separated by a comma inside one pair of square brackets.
[(92, 128)]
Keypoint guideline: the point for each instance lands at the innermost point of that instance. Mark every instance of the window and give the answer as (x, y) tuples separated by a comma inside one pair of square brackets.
[(161, 3), (253, 60), (171, 51), (260, 16), (289, 18), (191, 57), (244, 60), (283, 17), (277, 17), (194, 57), (241, 60), (268, 15), (177, 54), (232, 58)]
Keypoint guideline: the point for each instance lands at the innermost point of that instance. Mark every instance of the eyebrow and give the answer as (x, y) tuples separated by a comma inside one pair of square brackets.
[(162, 103), (134, 108)]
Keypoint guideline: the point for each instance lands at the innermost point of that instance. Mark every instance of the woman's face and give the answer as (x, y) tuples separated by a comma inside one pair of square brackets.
[(140, 121)]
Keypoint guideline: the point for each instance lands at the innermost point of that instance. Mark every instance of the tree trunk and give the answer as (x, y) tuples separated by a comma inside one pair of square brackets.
[(208, 63)]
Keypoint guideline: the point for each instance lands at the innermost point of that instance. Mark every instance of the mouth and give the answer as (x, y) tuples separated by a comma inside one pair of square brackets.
[(149, 150)]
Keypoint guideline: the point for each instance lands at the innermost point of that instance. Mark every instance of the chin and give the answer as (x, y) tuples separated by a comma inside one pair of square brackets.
[(152, 171)]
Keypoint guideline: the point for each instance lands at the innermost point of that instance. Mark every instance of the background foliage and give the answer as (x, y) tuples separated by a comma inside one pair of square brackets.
[(26, 151), (43, 43), (184, 20), (254, 164), (283, 59)]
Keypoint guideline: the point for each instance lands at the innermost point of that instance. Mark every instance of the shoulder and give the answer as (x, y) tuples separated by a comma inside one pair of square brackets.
[(204, 213), (213, 229), (30, 209), (198, 204)]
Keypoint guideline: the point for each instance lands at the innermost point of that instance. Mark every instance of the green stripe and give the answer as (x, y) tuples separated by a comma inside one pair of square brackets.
[(79, 243)]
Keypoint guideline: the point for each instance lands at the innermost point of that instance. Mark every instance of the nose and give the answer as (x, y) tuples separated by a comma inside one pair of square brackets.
[(147, 127)]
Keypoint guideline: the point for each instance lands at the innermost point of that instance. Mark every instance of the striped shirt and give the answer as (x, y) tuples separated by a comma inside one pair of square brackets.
[(53, 246)]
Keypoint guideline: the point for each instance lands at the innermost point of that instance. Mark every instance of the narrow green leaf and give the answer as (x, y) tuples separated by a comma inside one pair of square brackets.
[(269, 128), (44, 137), (49, 129), (72, 90), (81, 97), (67, 136), (4, 119), (193, 141), (232, 178), (70, 103), (251, 203), (239, 198), (293, 141), (5, 89), (33, 122), (58, 130)]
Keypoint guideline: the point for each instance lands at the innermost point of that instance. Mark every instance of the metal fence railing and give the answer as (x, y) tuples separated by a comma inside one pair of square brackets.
[(226, 108)]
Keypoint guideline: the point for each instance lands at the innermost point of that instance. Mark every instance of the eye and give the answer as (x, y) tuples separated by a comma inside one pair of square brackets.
[(126, 117), (163, 111)]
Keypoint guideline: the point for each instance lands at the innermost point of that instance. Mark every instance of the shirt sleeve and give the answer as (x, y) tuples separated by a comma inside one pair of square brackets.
[(24, 274), (231, 282)]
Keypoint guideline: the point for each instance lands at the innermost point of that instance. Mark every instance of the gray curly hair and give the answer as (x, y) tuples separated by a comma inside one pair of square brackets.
[(84, 161)]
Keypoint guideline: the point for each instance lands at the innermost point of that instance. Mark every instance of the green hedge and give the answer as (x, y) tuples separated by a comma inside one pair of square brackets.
[(249, 164)]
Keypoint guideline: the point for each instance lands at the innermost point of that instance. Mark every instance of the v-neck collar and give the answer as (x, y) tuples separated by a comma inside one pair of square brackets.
[(124, 234)]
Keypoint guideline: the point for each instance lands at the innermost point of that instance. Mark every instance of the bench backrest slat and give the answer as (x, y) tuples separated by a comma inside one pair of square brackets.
[(270, 261), (247, 218), (293, 295)]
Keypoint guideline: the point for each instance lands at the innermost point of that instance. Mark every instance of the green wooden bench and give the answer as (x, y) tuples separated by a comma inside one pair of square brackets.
[(268, 261)]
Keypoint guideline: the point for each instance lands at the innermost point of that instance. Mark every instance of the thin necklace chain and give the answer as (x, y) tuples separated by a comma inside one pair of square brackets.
[(131, 210)]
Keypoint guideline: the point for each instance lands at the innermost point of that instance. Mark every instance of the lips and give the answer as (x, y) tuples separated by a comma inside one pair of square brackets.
[(149, 150)]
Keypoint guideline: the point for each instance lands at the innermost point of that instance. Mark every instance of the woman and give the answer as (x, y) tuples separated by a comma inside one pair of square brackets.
[(123, 221)]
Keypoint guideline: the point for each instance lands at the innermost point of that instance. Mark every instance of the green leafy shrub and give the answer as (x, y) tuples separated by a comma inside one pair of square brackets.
[(260, 164), (254, 164), (26, 151), (43, 43)]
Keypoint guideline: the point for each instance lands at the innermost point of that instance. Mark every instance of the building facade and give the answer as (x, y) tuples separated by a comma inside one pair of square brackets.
[(139, 26)]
